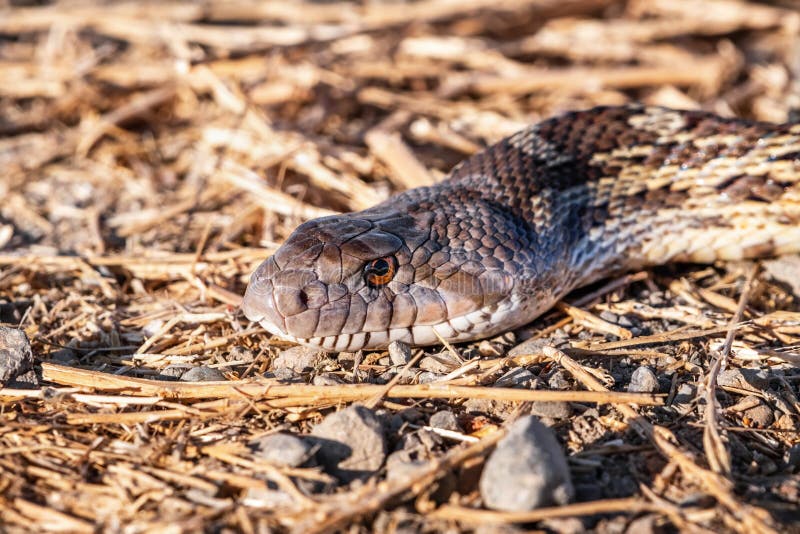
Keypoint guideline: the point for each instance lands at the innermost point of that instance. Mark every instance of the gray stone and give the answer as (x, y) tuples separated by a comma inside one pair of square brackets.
[(399, 353), (558, 381), (531, 346), (401, 464), (427, 377), (435, 364), (297, 359), (785, 269), (446, 420), (173, 371), (609, 316), (286, 375), (16, 357), (481, 406), (551, 410), (747, 379), (643, 380), (516, 378), (283, 450), (351, 443), (203, 373), (527, 470), (327, 379)]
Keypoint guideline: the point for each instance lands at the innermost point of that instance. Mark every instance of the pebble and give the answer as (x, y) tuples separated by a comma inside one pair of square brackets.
[(531, 346), (427, 377), (748, 379), (351, 443), (16, 357), (400, 465), (643, 380), (527, 470), (446, 420), (327, 379), (551, 410), (558, 381), (286, 376), (173, 371), (609, 316), (284, 450), (435, 364), (399, 353), (203, 373), (516, 378), (481, 406), (297, 359)]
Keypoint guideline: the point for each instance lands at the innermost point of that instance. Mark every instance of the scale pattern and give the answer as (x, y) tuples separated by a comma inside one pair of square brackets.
[(514, 228)]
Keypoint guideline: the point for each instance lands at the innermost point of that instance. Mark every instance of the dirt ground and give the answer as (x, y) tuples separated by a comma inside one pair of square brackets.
[(152, 154)]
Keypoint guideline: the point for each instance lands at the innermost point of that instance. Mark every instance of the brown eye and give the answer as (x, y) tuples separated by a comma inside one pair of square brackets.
[(380, 272)]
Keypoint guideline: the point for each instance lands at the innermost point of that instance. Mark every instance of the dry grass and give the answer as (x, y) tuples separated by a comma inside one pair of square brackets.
[(152, 154)]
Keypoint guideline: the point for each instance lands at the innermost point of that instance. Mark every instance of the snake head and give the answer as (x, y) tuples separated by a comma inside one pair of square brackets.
[(362, 280)]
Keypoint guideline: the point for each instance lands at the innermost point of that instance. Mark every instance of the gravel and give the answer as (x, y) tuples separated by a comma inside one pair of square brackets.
[(351, 443), (551, 410), (527, 470), (643, 380), (445, 419), (399, 353), (297, 359), (516, 378), (203, 373), (284, 450)]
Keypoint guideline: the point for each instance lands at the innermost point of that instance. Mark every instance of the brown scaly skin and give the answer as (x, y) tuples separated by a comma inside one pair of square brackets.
[(516, 227)]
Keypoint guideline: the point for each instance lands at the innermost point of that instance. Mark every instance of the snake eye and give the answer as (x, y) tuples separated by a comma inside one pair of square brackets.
[(380, 272)]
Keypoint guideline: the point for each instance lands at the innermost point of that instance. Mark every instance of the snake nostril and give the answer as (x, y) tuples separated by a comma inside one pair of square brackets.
[(302, 296)]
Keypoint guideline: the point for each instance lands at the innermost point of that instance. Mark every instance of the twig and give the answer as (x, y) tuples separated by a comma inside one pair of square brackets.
[(263, 389), (717, 454), (471, 515), (752, 518)]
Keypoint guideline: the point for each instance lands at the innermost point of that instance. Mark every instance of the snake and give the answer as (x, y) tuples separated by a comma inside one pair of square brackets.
[(511, 230)]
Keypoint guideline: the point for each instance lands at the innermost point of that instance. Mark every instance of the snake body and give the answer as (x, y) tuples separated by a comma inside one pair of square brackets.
[(514, 228)]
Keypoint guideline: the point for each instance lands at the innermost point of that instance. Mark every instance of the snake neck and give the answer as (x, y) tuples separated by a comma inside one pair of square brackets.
[(621, 188)]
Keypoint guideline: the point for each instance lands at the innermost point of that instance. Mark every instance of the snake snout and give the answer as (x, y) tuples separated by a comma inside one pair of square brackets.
[(259, 303)]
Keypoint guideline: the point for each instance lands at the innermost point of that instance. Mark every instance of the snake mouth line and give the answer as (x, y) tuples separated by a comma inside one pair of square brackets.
[(463, 328), (416, 335)]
